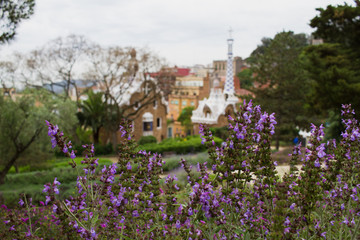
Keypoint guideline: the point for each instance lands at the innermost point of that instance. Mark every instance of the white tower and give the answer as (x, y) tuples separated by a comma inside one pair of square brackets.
[(229, 88)]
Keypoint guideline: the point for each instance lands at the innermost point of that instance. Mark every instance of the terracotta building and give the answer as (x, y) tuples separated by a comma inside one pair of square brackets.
[(146, 108)]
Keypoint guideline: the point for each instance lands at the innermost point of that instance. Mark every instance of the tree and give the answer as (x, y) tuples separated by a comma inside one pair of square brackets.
[(117, 72), (339, 24), (333, 67), (185, 118), (334, 80), (93, 113), (12, 12), (56, 66), (23, 133), (280, 82), (246, 78)]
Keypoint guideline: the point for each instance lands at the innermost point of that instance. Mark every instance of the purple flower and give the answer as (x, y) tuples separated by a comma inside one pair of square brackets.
[(128, 166), (287, 221), (323, 235), (48, 199), (178, 225), (190, 211), (55, 208), (93, 233), (65, 149), (56, 182), (21, 202), (72, 155), (292, 206)]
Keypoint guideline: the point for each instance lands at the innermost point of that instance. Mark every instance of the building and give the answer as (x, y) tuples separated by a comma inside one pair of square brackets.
[(141, 101), (214, 110), (187, 92)]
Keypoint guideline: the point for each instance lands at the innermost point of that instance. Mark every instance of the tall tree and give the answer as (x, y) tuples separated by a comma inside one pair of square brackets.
[(56, 66), (118, 71), (280, 81), (12, 12), (334, 67)]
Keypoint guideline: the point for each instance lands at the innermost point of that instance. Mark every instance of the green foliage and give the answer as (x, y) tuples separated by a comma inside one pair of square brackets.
[(32, 183), (173, 162), (189, 144), (282, 81), (147, 139), (100, 149), (220, 132), (246, 78), (11, 14), (334, 81), (339, 24), (185, 118), (333, 67), (93, 113), (83, 135), (23, 136)]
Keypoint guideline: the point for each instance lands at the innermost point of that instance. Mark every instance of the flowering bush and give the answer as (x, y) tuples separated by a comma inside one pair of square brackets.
[(241, 197)]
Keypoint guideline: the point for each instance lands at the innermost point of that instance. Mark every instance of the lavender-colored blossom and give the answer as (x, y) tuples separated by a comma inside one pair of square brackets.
[(292, 206), (128, 166), (72, 155)]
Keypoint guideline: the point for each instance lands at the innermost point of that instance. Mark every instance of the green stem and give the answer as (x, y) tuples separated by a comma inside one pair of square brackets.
[(73, 216), (28, 210)]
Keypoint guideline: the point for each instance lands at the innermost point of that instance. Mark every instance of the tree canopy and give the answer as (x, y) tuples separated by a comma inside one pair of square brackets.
[(185, 118), (280, 83), (12, 12), (23, 134), (334, 67)]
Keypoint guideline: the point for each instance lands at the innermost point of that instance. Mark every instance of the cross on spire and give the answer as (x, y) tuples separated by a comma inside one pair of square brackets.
[(230, 32)]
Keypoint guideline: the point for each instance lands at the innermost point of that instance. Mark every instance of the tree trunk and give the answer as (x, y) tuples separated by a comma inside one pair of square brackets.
[(16, 168), (96, 135), (7, 167)]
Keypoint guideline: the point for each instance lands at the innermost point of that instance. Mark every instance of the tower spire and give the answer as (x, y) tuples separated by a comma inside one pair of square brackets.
[(229, 82)]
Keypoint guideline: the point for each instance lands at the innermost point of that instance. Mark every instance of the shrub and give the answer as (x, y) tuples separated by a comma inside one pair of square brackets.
[(147, 139), (243, 198), (190, 144)]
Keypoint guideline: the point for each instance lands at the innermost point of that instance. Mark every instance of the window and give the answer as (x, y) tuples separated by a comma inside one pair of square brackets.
[(184, 102), (155, 104), (192, 103), (158, 122), (148, 126), (132, 126), (176, 102)]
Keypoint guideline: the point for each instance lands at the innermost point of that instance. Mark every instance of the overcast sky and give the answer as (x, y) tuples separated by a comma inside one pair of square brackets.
[(184, 32)]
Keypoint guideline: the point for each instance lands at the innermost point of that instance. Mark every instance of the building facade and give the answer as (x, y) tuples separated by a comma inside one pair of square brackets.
[(187, 92)]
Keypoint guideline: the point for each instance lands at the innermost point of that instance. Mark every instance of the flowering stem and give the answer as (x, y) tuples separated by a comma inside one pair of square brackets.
[(73, 216), (355, 231), (28, 210)]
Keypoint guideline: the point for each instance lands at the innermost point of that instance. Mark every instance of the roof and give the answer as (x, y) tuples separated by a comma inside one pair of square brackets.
[(177, 72)]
